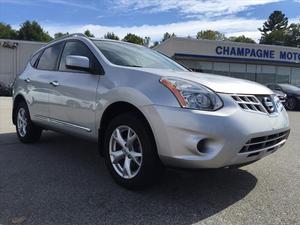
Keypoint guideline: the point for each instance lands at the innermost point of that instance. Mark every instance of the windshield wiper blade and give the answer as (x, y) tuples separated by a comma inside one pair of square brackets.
[(134, 66)]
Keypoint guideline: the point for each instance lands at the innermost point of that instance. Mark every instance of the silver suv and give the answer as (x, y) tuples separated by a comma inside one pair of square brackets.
[(145, 110)]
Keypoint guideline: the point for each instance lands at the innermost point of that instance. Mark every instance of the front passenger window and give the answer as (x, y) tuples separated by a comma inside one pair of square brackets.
[(79, 49)]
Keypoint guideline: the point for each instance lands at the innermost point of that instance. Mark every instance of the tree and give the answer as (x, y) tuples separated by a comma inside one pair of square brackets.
[(60, 34), (6, 32), (211, 35), (88, 33), (292, 35), (274, 29), (132, 38), (32, 31), (167, 36), (242, 39), (276, 21), (111, 35), (276, 37)]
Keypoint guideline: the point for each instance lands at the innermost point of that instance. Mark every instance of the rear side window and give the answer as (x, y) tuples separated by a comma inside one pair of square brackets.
[(49, 58), (34, 58), (80, 49)]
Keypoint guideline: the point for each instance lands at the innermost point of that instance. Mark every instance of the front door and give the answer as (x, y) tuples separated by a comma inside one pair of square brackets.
[(73, 93)]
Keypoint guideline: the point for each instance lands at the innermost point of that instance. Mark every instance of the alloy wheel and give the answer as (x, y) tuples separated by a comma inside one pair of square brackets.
[(22, 122), (125, 151)]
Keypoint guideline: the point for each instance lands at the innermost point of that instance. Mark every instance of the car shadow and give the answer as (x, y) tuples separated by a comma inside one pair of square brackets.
[(63, 180)]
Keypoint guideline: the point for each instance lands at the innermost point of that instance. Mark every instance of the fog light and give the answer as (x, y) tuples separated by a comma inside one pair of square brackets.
[(202, 146)]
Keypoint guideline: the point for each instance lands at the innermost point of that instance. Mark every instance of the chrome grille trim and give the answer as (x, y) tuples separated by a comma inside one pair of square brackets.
[(249, 103), (268, 140), (263, 143), (268, 149)]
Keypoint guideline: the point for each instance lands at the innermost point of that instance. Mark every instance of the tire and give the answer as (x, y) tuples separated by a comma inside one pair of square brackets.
[(26, 130), (139, 154), (291, 104)]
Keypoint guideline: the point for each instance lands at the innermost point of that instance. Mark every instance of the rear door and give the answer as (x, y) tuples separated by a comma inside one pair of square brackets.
[(73, 92), (44, 68)]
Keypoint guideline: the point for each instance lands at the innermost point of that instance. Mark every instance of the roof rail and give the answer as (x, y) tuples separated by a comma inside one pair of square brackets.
[(68, 35), (75, 34)]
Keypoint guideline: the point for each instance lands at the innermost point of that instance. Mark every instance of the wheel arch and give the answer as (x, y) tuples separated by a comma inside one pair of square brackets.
[(114, 110), (19, 98)]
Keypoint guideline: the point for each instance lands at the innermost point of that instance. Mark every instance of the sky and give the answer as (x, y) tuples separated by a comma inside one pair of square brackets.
[(147, 17)]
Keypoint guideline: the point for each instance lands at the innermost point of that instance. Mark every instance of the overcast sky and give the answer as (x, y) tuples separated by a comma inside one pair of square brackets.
[(147, 18)]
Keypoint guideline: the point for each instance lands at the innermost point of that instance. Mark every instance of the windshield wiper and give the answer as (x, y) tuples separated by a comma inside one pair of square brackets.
[(133, 66)]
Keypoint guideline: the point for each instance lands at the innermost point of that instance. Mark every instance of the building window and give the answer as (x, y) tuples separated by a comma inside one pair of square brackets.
[(266, 74), (283, 74), (221, 68), (295, 78), (237, 70)]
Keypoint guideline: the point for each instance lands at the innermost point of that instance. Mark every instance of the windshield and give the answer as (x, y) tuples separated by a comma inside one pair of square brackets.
[(124, 54), (289, 87)]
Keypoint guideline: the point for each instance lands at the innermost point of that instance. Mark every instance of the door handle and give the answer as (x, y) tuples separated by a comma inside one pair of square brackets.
[(54, 83), (27, 80)]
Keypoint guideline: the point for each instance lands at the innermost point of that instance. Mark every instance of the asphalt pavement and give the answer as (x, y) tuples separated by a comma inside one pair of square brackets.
[(63, 180)]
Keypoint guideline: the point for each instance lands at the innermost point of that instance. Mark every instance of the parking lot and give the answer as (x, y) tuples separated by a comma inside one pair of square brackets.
[(63, 180)]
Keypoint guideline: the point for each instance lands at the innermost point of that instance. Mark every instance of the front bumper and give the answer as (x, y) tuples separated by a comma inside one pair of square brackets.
[(198, 139)]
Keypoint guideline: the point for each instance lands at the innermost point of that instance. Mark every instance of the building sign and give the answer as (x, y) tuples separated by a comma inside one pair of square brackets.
[(258, 53), (8, 44)]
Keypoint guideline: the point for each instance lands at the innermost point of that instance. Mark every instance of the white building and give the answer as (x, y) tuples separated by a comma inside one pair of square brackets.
[(261, 63), (14, 55)]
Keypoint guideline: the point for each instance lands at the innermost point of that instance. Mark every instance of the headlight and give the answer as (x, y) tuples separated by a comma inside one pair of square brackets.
[(278, 103), (192, 95)]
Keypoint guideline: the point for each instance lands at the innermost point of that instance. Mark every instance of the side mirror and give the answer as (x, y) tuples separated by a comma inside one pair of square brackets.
[(78, 62)]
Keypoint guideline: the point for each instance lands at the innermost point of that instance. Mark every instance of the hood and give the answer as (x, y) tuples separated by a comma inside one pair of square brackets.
[(278, 92), (292, 92), (217, 83)]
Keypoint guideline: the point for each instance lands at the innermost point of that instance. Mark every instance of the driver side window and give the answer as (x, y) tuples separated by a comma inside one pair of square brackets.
[(79, 49)]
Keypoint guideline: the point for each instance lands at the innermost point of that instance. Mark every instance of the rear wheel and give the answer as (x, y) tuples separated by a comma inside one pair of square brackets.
[(130, 152), (291, 104), (26, 130)]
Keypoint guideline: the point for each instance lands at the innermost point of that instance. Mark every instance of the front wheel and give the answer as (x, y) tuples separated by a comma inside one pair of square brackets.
[(26, 130), (130, 152)]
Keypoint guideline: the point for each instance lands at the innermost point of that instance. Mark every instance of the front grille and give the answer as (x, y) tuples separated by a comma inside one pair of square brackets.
[(268, 143), (259, 103)]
